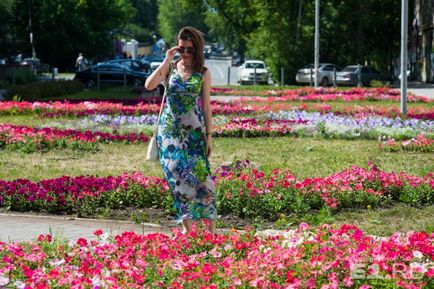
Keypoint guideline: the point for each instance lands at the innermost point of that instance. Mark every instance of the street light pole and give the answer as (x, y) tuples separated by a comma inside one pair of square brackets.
[(404, 28), (316, 41), (29, 5)]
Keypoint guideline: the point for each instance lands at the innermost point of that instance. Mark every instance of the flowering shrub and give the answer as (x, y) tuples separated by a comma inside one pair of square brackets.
[(242, 191), (321, 257), (31, 139), (420, 143)]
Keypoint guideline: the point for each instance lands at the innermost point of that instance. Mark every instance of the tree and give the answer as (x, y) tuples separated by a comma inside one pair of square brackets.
[(144, 25), (173, 15), (63, 28), (424, 11), (6, 36)]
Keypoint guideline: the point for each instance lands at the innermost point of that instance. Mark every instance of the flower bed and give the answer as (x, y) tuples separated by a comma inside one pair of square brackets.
[(364, 125), (252, 127), (294, 122), (418, 144), (321, 257), (117, 125), (243, 191), (57, 109), (321, 94), (83, 195), (31, 139), (86, 108)]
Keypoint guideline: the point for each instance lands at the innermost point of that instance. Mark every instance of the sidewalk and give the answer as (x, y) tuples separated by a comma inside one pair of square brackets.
[(25, 227), (22, 227)]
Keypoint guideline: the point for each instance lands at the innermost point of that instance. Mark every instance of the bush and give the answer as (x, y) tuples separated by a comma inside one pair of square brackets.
[(35, 91), (378, 83), (21, 76)]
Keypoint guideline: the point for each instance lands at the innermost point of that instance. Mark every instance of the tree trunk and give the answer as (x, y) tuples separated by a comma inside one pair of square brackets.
[(424, 15), (300, 7)]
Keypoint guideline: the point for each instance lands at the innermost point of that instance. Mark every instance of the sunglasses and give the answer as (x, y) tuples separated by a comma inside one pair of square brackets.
[(189, 50)]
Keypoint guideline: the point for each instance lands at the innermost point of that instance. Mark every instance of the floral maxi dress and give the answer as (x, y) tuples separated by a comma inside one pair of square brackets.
[(182, 149)]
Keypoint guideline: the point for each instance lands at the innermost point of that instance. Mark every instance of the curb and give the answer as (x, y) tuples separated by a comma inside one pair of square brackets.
[(70, 218)]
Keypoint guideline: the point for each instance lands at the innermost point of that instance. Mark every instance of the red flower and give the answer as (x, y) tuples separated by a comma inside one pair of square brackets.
[(98, 232), (82, 242)]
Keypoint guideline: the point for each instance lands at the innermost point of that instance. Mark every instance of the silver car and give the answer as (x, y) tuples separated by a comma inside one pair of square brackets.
[(350, 75), (325, 73)]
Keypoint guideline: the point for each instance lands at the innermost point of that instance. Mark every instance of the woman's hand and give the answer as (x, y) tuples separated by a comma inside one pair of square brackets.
[(208, 146), (161, 72), (170, 53)]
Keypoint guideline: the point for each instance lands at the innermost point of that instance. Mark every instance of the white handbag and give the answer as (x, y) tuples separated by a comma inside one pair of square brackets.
[(152, 153)]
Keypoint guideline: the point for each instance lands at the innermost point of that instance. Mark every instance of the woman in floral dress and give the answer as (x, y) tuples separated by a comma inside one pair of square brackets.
[(184, 131)]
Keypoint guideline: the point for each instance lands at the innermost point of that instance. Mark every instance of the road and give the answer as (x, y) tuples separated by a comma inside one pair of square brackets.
[(221, 70)]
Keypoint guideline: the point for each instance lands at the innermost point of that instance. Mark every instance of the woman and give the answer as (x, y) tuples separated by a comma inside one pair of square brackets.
[(184, 131)]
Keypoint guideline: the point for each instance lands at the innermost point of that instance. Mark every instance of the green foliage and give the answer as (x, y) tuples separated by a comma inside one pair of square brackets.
[(173, 16), (22, 76), (35, 91), (378, 83), (62, 28), (144, 23), (6, 16)]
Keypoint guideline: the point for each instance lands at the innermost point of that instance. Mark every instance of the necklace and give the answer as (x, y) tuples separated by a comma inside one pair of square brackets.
[(187, 66)]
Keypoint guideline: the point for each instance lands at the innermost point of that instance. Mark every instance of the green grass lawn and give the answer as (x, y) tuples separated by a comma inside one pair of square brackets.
[(102, 93), (305, 157)]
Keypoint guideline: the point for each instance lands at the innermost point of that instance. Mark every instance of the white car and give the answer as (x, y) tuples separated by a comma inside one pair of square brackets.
[(246, 72), (155, 64), (325, 70)]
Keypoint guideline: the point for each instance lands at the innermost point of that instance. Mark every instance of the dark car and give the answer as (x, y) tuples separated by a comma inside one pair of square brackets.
[(207, 51), (349, 75), (133, 64), (110, 73), (36, 65)]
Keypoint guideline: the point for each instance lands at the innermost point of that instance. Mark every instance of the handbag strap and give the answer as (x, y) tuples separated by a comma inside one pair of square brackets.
[(166, 84)]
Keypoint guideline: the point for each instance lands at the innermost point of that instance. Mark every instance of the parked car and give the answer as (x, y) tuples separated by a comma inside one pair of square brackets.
[(349, 75), (246, 72), (236, 60), (408, 74), (110, 73), (36, 64), (155, 62), (133, 64), (207, 51), (325, 73)]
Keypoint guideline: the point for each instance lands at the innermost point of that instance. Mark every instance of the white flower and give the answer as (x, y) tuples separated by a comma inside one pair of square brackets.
[(4, 280), (417, 254), (71, 243), (96, 282), (20, 285), (57, 262)]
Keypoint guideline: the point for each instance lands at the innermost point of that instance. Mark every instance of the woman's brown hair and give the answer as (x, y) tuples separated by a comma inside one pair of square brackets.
[(195, 36)]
